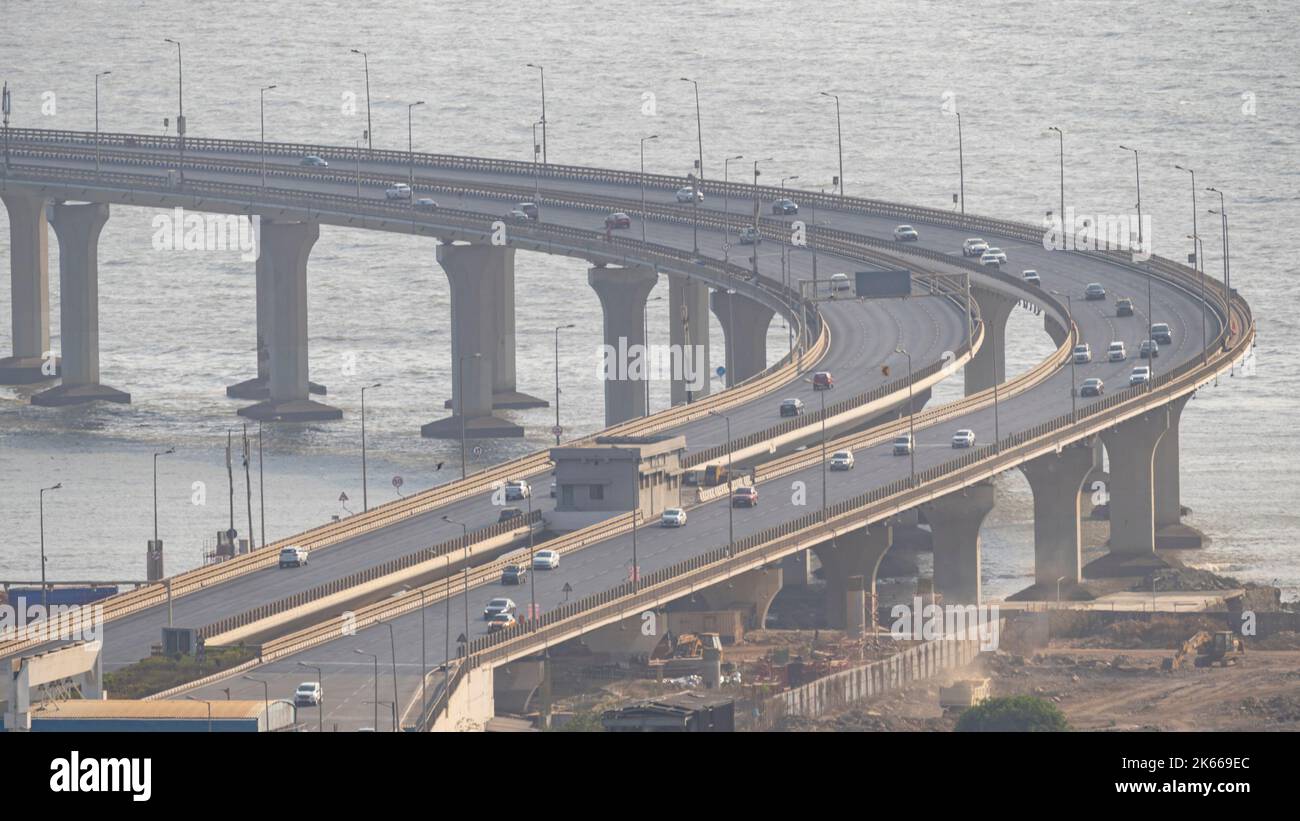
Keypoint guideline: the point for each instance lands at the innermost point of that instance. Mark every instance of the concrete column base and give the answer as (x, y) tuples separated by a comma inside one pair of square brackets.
[(27, 370), (63, 395), (1180, 537), (511, 400), (476, 427), (260, 388), (291, 410), (853, 554), (955, 522)]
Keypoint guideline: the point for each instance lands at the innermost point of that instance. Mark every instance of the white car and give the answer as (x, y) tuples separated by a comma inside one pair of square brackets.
[(974, 247), (1082, 354), (1140, 376), (308, 694), (517, 490), (1116, 352), (993, 256), (964, 438), (673, 517), (840, 282), (903, 444), (398, 191), (906, 233), (546, 560), (687, 193), (1031, 277), (293, 556), (842, 460)]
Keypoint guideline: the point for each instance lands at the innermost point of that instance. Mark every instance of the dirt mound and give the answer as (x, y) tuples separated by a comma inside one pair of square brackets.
[(1157, 634)]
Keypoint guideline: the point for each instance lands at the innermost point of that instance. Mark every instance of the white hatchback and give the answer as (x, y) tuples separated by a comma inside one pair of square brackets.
[(546, 560), (673, 517)]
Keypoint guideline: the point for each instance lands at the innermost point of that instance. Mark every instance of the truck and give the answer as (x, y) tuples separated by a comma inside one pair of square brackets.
[(964, 693)]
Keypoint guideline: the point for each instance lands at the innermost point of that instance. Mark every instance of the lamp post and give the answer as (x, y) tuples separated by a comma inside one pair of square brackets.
[(392, 643), (1069, 307), (365, 495), (961, 165), (1227, 270), (1200, 269), (97, 76), (464, 531), (1061, 139), (731, 529), (156, 544), (822, 395), (753, 257), (180, 99), (370, 131), (644, 140), (1196, 254), (320, 704), (726, 203), (537, 185), (911, 413), (410, 148), (1141, 246), (699, 133), (460, 403), (783, 180), (542, 72), (839, 137), (209, 703), (266, 699), (262, 119), (375, 657), (44, 597), (558, 328)]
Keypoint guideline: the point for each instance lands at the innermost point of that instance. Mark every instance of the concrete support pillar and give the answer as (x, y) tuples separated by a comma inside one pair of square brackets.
[(857, 553), (475, 275), (500, 272), (688, 333), (856, 622), (984, 369), (78, 228), (1171, 533), (955, 522), (744, 329), (796, 569), (752, 591), (623, 293), (29, 289), (634, 637), (285, 247), (1057, 481), (1132, 450)]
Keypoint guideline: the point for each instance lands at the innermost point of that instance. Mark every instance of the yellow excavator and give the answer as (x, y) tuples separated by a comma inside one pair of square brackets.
[(1222, 648)]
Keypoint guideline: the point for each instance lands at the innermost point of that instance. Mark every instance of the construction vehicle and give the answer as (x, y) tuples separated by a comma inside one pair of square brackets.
[(1221, 648), (692, 645), (964, 694)]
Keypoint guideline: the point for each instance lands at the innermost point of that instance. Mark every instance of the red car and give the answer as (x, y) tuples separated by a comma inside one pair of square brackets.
[(618, 220), (823, 381), (744, 497)]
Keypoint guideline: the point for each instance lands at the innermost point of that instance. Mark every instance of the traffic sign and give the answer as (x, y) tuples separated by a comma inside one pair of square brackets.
[(556, 430)]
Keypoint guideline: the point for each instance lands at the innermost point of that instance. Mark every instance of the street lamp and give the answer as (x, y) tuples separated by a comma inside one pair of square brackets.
[(365, 496), (726, 204), (643, 218), (542, 71), (699, 134), (731, 530), (537, 185), (262, 117), (1061, 139), (320, 703), (961, 165), (783, 179), (156, 544), (209, 703), (839, 137), (44, 598), (97, 76), (753, 257), (1137, 170), (1069, 308), (370, 131), (266, 699), (410, 150), (375, 657), (1196, 256), (1200, 269), (392, 643), (1227, 270), (822, 394), (180, 98), (464, 530), (460, 403), (558, 430), (911, 413)]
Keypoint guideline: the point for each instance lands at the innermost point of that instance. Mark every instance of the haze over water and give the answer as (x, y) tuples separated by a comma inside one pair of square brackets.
[(1212, 86)]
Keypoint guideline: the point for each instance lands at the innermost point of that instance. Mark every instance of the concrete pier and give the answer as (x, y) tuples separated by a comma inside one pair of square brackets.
[(688, 331), (752, 592), (847, 556), (78, 228), (744, 330), (955, 522), (1171, 533), (1132, 449), (287, 245), (623, 293), (474, 341), (29, 289), (989, 365), (1057, 482)]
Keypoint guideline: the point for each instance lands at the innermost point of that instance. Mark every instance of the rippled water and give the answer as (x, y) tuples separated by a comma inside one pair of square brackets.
[(1210, 85)]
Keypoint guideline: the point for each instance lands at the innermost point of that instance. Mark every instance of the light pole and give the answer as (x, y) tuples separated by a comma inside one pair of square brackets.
[(1200, 269), (1151, 318), (783, 180), (410, 149), (635, 508), (261, 484), (541, 71), (643, 142), (392, 643), (1227, 271), (731, 335), (699, 133), (726, 204), (537, 185), (464, 532), (961, 165), (44, 598), (839, 132), (374, 656), (262, 118), (460, 403), (97, 76), (1196, 255), (753, 257), (822, 395), (370, 131), (180, 99), (911, 413), (209, 703), (320, 704), (266, 699), (1069, 308), (558, 328), (365, 495), (731, 529), (1061, 139), (156, 544)]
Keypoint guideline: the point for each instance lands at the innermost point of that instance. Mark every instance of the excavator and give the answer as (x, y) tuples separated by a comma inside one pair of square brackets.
[(1222, 648)]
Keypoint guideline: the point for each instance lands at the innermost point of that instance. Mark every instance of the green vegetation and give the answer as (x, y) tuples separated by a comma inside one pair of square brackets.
[(1018, 714), (158, 673), (587, 721)]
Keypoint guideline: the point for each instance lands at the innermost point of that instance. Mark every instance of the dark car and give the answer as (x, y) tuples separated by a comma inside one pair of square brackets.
[(618, 220), (514, 574), (744, 497), (791, 407), (1124, 307), (509, 513), (1091, 387), (529, 208), (1150, 349), (785, 206), (1094, 291), (1162, 333), (823, 381)]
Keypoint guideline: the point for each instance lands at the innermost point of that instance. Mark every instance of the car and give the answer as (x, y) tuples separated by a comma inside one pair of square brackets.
[(791, 407), (497, 606), (314, 161), (974, 247), (1124, 307), (514, 574), (1094, 291), (1149, 349), (785, 206), (398, 191), (1162, 333), (998, 253), (687, 194), (529, 209), (749, 236), (1116, 352), (744, 497), (1092, 387), (840, 282), (673, 517), (501, 621), (906, 233), (555, 490), (903, 444), (1140, 376), (426, 204), (823, 381), (293, 556), (515, 215), (546, 560), (618, 220), (842, 460), (964, 438), (1031, 277), (517, 490), (1082, 353), (508, 513), (308, 694)]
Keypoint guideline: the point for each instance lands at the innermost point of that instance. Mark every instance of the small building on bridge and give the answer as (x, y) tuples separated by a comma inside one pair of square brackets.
[(615, 475)]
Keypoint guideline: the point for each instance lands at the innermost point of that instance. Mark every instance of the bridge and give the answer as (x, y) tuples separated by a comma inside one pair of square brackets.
[(885, 353)]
